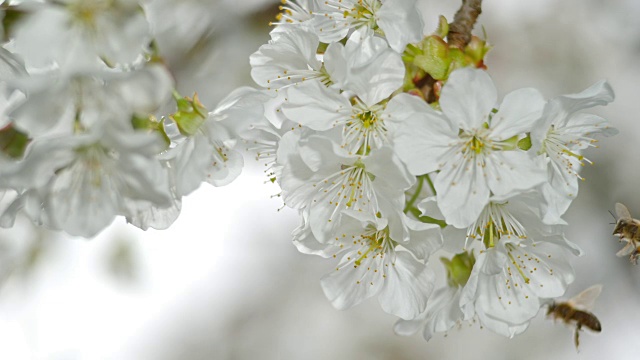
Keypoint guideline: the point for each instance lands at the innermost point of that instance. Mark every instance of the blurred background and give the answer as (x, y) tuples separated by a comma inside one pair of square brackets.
[(225, 282)]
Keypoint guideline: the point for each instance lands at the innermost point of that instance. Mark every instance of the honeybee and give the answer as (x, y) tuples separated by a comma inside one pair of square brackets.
[(628, 229), (576, 311)]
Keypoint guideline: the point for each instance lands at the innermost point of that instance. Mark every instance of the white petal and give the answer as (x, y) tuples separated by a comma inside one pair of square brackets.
[(350, 286), (407, 287), (304, 106), (189, 166), (509, 171), (84, 202), (306, 243), (403, 106), (589, 125), (225, 167), (241, 110), (291, 50), (518, 113), (401, 22), (560, 189), (328, 29), (505, 302), (389, 171), (597, 94), (500, 326), (551, 274), (423, 141), (462, 191), (144, 91), (373, 70), (150, 216), (408, 327), (43, 158), (468, 97), (425, 239), (336, 63)]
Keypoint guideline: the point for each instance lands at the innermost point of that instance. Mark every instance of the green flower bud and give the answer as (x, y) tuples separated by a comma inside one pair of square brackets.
[(459, 268), (13, 143), (477, 50)]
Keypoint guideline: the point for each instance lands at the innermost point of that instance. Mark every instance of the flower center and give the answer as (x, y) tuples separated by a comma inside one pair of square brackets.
[(92, 159), (349, 188), (476, 142), (364, 130), (374, 243), (494, 222), (85, 12)]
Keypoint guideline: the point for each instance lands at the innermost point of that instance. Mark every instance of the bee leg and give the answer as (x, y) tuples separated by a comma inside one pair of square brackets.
[(576, 337)]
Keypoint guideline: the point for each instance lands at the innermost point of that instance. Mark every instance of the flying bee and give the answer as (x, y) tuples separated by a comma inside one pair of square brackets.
[(576, 311), (628, 230)]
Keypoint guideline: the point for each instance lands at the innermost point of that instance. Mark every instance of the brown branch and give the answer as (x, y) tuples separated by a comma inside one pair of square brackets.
[(460, 29), (459, 36)]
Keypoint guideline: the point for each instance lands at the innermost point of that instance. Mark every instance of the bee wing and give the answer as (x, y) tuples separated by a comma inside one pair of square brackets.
[(586, 299), (622, 211), (628, 249)]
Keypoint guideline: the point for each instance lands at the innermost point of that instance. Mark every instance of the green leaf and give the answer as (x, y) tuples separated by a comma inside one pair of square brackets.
[(435, 59)]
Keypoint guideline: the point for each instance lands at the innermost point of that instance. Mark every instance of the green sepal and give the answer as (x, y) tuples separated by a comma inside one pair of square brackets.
[(13, 143), (459, 268), (151, 124), (525, 143), (426, 219), (511, 143), (410, 52), (191, 114), (322, 48)]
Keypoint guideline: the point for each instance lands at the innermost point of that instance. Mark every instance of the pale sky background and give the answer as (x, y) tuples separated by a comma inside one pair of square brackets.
[(225, 282)]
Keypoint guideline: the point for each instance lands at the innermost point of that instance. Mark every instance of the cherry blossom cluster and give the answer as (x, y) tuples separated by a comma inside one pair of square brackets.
[(91, 126), (393, 146)]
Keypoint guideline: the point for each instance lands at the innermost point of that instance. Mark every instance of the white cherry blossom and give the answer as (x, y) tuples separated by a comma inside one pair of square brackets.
[(471, 145), (76, 34), (398, 20), (208, 152), (442, 313), (372, 263), (288, 58), (80, 183), (562, 135), (523, 263), (323, 179)]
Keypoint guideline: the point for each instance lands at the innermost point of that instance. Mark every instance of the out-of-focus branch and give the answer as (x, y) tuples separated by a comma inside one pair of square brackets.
[(460, 29)]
